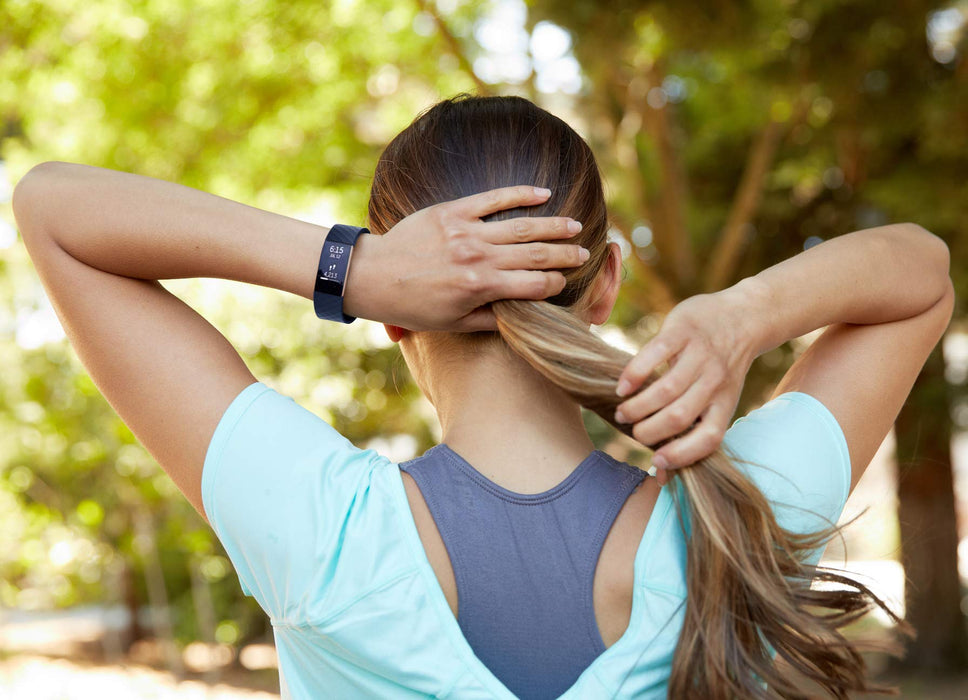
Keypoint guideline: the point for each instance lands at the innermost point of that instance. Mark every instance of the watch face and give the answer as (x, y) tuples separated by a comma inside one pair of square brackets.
[(334, 263)]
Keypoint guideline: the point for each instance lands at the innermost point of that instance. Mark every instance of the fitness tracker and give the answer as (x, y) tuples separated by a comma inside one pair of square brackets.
[(334, 262)]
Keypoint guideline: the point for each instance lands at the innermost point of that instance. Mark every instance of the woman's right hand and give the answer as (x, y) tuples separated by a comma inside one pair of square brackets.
[(708, 340)]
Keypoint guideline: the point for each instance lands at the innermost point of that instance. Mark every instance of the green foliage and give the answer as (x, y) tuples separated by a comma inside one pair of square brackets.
[(282, 105), (287, 105)]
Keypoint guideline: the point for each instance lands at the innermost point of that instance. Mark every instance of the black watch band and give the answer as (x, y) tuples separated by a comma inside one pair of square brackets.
[(334, 263)]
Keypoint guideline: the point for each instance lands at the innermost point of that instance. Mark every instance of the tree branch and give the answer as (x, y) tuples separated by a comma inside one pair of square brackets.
[(655, 295), (669, 202), (626, 120), (732, 238), (454, 45)]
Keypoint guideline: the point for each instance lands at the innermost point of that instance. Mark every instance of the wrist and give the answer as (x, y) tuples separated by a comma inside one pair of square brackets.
[(755, 316), (363, 279)]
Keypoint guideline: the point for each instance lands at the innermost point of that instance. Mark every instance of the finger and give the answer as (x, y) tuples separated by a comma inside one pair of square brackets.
[(699, 442), (524, 284), (538, 256), (529, 228), (662, 392), (674, 418), (655, 352), (484, 203), (662, 477), (480, 319)]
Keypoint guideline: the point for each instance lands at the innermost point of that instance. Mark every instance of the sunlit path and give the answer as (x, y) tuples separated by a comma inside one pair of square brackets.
[(39, 678)]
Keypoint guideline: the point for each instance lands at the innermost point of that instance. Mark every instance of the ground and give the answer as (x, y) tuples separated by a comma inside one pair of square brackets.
[(36, 677)]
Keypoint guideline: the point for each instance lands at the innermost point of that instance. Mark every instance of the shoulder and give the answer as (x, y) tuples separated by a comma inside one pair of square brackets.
[(795, 451), (267, 436), (296, 504)]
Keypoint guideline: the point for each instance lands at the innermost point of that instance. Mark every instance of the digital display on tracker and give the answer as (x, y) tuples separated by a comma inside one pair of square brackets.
[(333, 264)]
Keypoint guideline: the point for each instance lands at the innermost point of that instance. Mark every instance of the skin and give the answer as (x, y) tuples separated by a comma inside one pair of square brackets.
[(884, 298), (100, 240), (862, 367), (511, 400)]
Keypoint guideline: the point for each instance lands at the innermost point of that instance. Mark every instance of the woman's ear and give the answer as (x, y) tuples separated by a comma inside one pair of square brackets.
[(395, 332), (606, 287)]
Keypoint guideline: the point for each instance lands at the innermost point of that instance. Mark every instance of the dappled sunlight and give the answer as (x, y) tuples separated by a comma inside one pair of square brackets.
[(730, 136), (41, 678)]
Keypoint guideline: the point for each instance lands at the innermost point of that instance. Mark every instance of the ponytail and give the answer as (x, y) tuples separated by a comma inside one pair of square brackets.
[(748, 584), (749, 589)]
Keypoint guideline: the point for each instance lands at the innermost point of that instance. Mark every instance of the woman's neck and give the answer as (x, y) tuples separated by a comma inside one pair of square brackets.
[(513, 425)]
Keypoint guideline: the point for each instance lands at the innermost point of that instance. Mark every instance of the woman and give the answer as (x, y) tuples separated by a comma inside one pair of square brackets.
[(513, 558)]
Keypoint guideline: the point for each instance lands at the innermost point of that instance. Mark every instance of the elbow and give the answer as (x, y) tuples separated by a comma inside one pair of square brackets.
[(936, 273), (944, 307), (925, 254), (936, 247), (32, 199)]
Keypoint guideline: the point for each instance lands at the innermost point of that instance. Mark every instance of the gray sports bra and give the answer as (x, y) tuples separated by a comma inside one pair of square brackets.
[(525, 563)]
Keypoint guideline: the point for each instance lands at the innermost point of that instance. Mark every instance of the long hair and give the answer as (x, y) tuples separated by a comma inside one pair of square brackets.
[(749, 591)]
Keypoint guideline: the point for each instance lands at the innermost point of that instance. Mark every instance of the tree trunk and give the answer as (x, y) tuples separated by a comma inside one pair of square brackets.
[(133, 603), (929, 535), (157, 591), (204, 613)]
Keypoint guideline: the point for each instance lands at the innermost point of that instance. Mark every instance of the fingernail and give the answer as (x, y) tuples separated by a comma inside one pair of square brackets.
[(660, 462), (623, 388), (542, 191), (620, 417), (574, 226), (583, 254)]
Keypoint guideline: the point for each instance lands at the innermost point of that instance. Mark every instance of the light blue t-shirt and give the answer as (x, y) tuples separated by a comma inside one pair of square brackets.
[(321, 534)]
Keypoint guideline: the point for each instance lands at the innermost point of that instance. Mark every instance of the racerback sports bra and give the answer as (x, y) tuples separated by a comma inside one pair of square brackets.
[(525, 563)]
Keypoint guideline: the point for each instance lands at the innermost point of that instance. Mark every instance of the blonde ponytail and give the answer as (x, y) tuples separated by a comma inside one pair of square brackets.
[(748, 589)]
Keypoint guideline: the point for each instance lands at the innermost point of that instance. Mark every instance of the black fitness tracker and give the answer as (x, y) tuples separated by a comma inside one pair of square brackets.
[(334, 262)]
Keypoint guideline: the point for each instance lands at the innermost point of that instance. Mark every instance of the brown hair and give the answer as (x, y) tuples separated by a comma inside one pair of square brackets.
[(749, 590)]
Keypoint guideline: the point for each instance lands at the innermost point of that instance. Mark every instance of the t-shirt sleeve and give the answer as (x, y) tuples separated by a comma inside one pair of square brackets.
[(285, 493), (795, 451)]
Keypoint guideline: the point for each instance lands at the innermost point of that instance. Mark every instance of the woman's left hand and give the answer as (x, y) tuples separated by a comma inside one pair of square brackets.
[(708, 342), (439, 267)]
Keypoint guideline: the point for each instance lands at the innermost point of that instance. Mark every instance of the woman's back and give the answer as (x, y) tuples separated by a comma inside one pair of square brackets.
[(330, 548), (323, 534), (524, 564)]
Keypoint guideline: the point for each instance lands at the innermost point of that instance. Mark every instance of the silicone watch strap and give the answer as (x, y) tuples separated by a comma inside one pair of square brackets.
[(334, 263)]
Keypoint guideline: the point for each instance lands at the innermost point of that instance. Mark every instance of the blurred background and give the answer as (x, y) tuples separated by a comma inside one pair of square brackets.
[(731, 135)]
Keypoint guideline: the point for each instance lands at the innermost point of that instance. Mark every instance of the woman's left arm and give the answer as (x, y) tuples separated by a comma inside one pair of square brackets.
[(101, 239)]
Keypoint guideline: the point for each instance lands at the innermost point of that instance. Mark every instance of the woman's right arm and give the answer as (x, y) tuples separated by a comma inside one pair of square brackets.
[(885, 297), (881, 322), (877, 275)]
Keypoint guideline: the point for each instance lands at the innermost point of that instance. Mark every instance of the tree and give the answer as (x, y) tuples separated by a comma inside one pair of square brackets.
[(283, 106), (802, 121), (731, 136)]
